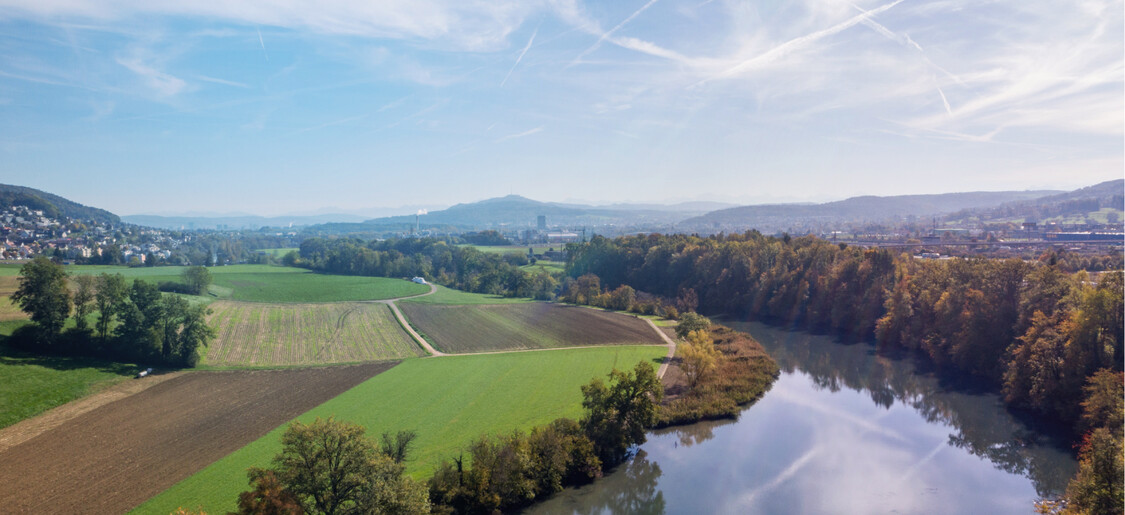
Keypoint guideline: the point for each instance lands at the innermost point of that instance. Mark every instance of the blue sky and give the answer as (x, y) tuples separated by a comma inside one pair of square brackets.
[(152, 106)]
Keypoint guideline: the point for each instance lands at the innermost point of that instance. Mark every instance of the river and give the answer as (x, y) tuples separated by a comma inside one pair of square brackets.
[(843, 430)]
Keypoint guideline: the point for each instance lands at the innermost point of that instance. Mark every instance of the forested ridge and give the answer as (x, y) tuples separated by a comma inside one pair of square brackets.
[(1031, 329)]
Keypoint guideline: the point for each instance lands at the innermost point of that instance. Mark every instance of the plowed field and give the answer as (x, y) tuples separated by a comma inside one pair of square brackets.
[(115, 457), (536, 325), (305, 334)]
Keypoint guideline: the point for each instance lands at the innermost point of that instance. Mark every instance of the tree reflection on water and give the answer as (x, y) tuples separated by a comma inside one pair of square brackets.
[(982, 425), (693, 434), (632, 488)]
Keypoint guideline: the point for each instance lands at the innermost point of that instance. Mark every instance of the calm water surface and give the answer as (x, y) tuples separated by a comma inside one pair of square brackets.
[(842, 431)]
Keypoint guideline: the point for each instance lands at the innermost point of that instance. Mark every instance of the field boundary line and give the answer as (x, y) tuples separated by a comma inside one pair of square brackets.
[(513, 351), (671, 348), (27, 429)]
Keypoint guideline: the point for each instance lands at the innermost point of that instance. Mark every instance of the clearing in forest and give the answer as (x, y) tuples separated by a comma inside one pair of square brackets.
[(256, 334), (533, 325)]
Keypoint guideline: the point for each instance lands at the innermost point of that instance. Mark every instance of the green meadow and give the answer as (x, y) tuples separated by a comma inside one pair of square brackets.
[(445, 295), (278, 284), (279, 253), (449, 401), (34, 384)]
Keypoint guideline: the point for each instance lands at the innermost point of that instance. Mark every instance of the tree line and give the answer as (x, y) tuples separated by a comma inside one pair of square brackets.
[(464, 268), (131, 322)]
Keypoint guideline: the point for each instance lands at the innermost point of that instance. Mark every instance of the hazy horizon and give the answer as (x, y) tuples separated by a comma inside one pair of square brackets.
[(275, 107)]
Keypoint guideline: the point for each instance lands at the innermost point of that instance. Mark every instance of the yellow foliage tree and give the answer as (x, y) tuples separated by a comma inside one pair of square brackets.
[(699, 356)]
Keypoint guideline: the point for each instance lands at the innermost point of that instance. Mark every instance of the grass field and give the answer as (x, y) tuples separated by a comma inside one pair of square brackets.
[(256, 334), (535, 325), (263, 283), (449, 401), (278, 253), (450, 296), (547, 266), (517, 249), (31, 385)]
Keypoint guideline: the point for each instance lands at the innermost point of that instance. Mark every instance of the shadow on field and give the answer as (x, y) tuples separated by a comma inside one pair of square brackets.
[(13, 357)]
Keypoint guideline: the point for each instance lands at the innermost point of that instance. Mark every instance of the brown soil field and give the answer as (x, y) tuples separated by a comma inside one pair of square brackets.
[(112, 458), (535, 325), (251, 333)]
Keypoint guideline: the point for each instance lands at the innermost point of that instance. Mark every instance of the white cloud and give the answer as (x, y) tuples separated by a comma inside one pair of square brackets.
[(464, 24)]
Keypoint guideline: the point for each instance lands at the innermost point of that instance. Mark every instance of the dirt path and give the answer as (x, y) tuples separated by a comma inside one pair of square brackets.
[(111, 459), (406, 325), (671, 348)]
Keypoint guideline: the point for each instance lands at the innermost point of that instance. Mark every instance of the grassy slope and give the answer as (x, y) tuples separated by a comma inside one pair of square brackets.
[(34, 384), (449, 401), (445, 295)]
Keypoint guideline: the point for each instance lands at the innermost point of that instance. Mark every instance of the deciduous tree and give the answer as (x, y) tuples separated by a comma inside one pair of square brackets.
[(83, 299), (330, 467), (699, 356), (691, 321), (197, 278), (42, 294), (617, 414), (110, 299)]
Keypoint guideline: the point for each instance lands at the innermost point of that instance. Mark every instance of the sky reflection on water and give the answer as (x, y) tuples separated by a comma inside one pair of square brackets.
[(842, 431)]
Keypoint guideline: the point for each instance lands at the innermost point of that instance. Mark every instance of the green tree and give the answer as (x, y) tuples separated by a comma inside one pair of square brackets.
[(173, 310), (691, 321), (193, 334), (139, 333), (396, 447), (84, 299), (197, 279), (1097, 488), (617, 414), (110, 300), (42, 294), (330, 467), (325, 464)]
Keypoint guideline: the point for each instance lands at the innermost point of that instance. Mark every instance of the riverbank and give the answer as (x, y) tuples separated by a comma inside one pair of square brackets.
[(743, 375)]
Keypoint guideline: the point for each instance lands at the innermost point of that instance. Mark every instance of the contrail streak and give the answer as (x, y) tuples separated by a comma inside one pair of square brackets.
[(799, 42), (520, 58), (610, 32), (263, 43)]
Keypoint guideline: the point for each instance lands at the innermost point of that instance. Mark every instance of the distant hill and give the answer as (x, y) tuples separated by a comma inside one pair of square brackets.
[(1073, 206), (775, 217), (251, 222), (517, 211), (52, 205)]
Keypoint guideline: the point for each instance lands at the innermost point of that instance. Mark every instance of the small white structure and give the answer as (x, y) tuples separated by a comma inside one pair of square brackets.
[(419, 280)]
